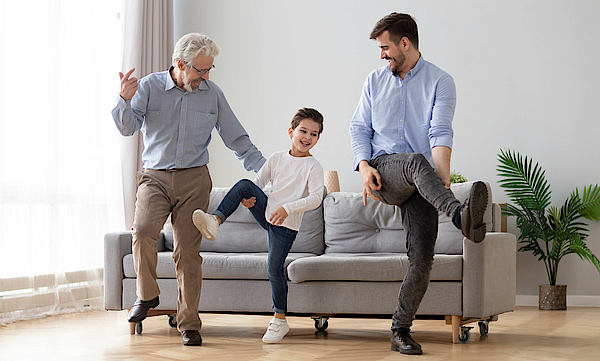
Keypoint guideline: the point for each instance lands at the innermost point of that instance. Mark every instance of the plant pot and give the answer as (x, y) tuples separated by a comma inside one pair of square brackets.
[(553, 297)]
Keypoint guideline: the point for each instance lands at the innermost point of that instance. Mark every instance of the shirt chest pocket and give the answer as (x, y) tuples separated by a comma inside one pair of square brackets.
[(203, 126), (158, 122)]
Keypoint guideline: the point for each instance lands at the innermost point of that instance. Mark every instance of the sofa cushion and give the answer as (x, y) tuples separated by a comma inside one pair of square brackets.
[(369, 267), (241, 265), (217, 265), (241, 233), (351, 227)]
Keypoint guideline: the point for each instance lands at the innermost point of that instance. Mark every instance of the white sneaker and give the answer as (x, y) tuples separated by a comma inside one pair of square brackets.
[(277, 329), (207, 224)]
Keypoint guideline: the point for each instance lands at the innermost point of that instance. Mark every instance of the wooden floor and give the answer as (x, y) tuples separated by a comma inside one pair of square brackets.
[(526, 334)]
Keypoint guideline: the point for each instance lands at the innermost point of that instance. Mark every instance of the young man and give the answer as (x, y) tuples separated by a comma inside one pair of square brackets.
[(297, 187), (177, 111), (401, 135)]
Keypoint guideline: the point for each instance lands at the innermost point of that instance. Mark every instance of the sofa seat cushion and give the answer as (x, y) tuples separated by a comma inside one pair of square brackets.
[(215, 265), (369, 267)]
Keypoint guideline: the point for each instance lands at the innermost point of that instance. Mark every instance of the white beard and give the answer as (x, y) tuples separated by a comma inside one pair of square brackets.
[(188, 86)]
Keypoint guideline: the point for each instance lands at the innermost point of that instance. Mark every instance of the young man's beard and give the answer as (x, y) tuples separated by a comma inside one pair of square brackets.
[(396, 64)]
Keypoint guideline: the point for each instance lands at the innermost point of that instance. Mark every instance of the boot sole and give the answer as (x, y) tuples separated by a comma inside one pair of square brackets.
[(478, 200)]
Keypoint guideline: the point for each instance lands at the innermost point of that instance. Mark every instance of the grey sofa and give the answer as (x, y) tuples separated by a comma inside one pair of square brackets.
[(348, 259)]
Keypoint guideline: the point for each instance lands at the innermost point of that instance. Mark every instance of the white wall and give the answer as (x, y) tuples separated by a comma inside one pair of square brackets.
[(526, 75)]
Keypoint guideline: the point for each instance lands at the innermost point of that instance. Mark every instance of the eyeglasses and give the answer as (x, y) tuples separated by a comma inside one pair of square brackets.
[(203, 71)]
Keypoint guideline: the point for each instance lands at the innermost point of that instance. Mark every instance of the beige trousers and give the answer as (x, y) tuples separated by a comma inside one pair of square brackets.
[(178, 193)]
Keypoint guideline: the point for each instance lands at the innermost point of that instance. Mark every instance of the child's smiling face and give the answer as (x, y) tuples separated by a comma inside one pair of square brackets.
[(304, 137)]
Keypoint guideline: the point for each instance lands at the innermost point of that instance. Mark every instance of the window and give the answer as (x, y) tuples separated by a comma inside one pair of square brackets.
[(59, 158)]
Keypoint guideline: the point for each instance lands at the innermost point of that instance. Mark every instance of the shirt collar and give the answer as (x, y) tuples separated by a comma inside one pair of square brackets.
[(417, 66), (204, 85), (170, 84)]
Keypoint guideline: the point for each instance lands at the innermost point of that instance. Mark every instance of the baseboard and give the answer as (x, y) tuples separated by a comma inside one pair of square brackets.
[(572, 301)]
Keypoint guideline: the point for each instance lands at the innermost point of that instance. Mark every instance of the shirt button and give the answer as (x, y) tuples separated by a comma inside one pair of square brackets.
[(401, 120)]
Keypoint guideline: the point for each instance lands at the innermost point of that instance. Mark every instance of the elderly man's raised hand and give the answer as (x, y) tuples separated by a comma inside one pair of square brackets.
[(128, 85)]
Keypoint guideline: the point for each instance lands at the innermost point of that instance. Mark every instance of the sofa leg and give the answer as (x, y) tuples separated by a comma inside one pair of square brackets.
[(456, 321), (131, 328)]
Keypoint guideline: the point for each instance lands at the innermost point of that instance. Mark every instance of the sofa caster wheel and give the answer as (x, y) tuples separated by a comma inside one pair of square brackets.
[(465, 334), (138, 328), (484, 327), (321, 323), (173, 320)]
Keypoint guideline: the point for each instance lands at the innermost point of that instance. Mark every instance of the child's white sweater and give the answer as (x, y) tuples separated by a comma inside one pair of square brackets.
[(297, 185)]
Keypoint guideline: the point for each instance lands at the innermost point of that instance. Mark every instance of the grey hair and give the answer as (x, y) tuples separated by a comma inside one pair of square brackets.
[(192, 44)]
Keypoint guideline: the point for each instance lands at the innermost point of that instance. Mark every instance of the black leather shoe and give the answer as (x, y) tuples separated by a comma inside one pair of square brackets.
[(403, 343), (191, 338), (140, 308), (471, 216)]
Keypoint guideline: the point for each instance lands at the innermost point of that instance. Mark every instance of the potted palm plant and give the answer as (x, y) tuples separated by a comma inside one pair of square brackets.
[(550, 233)]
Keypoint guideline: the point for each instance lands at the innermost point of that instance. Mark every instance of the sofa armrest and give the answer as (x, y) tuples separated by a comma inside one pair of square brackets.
[(489, 275), (116, 246), (496, 218)]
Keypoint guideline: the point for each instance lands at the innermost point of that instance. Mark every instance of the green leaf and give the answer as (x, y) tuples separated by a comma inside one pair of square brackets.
[(523, 181), (578, 246), (590, 202)]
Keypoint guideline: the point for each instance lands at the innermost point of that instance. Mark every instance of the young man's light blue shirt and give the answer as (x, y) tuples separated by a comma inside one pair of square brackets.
[(177, 124), (403, 116)]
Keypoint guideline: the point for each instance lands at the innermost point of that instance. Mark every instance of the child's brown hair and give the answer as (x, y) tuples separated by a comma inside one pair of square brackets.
[(307, 113)]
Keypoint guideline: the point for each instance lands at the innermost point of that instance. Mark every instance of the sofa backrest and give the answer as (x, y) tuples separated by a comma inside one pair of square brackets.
[(242, 234), (351, 227)]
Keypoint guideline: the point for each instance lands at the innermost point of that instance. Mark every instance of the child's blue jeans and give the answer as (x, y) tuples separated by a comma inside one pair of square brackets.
[(280, 238)]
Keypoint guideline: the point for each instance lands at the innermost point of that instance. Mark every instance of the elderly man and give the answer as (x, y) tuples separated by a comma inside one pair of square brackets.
[(176, 110)]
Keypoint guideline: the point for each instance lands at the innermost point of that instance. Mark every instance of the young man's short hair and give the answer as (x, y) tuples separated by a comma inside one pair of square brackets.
[(307, 113), (399, 26)]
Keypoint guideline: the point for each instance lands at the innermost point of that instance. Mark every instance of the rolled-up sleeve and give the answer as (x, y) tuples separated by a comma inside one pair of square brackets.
[(440, 131)]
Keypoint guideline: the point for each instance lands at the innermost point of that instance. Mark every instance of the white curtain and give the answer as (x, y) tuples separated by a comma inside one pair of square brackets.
[(60, 173), (147, 47)]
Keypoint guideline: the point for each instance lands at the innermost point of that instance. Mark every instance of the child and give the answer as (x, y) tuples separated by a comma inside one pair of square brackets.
[(297, 187)]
